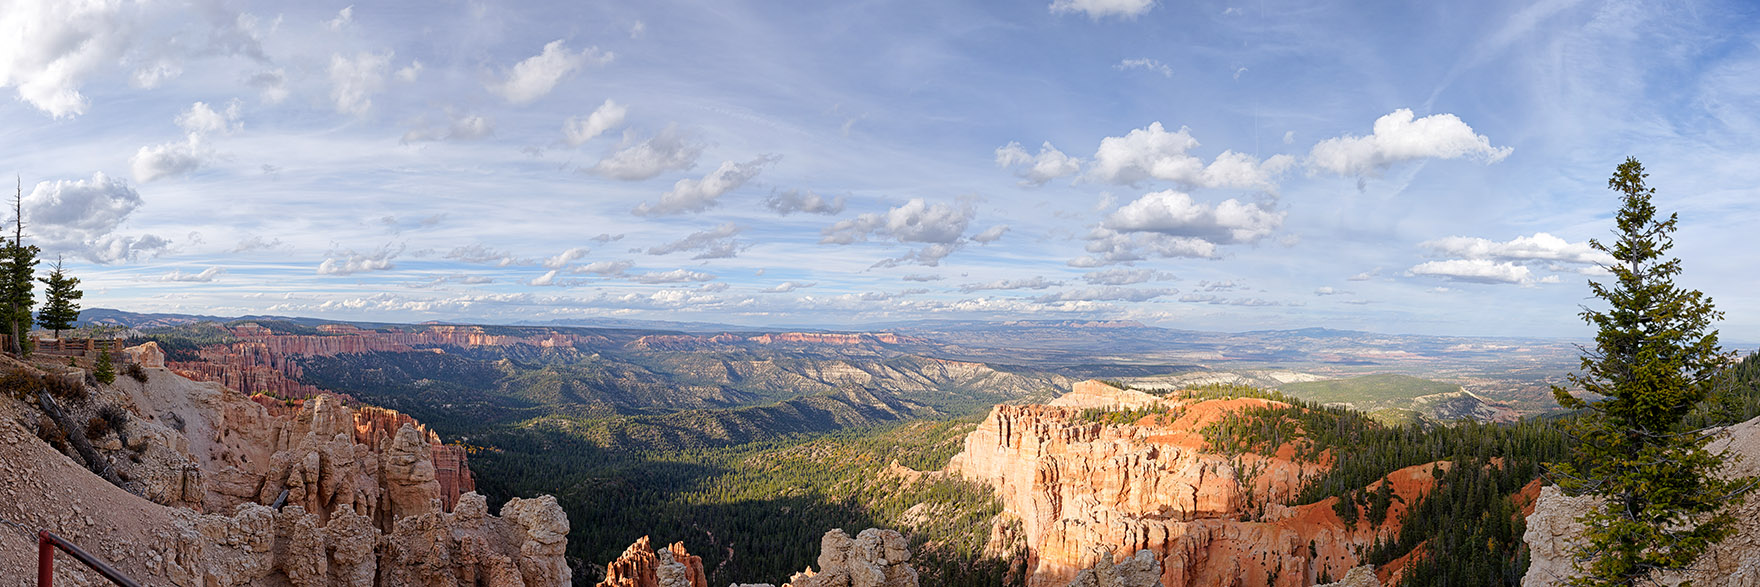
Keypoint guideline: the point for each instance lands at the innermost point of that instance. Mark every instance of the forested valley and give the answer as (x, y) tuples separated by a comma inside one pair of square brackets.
[(751, 475)]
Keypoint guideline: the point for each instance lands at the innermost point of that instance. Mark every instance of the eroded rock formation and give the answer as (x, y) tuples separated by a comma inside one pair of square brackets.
[(1079, 486), (1553, 530), (356, 501), (642, 566), (874, 558)]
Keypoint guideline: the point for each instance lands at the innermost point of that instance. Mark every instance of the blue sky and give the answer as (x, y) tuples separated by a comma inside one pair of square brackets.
[(1400, 167)]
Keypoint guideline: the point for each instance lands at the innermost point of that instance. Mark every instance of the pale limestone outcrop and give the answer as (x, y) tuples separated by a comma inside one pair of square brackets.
[(874, 558), (1363, 576), (1554, 530), (146, 355), (544, 530), (1551, 534), (1138, 570), (1155, 485), (670, 572)]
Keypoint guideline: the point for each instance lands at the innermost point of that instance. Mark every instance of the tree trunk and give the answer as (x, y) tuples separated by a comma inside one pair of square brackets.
[(94, 461)]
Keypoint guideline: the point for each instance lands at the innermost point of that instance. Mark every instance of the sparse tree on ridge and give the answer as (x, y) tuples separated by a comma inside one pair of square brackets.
[(18, 265), (60, 300), (1654, 359)]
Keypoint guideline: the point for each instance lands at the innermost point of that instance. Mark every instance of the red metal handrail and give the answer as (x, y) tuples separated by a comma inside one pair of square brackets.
[(47, 542)]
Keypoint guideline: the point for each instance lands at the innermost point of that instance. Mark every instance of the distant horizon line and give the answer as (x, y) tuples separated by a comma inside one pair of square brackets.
[(700, 325)]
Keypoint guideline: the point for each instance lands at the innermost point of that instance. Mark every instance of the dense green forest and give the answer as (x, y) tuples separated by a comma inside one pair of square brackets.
[(755, 512)]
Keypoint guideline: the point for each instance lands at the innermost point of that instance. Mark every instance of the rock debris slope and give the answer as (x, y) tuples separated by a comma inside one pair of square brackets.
[(363, 500)]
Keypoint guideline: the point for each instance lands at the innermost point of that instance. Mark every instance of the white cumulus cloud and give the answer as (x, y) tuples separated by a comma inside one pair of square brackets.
[(670, 149), (1106, 247), (697, 195), (1047, 165), (916, 221), (1539, 247), (349, 262), (534, 77), (205, 276), (1152, 152), (1398, 137), (81, 217), (1475, 270), (153, 162), (603, 268), (52, 46), (1175, 213), (564, 258), (803, 201), (355, 80), (607, 116)]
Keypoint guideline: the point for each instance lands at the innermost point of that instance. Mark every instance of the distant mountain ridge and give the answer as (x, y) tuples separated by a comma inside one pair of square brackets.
[(1515, 371)]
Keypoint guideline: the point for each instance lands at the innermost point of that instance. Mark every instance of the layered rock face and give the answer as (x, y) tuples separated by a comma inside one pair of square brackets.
[(262, 361), (1554, 532), (1080, 488), (356, 501)]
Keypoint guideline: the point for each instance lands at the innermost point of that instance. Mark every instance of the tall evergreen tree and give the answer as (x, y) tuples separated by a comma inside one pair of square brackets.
[(1654, 359), (60, 300), (18, 266)]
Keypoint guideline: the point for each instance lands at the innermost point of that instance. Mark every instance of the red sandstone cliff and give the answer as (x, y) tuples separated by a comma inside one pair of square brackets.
[(1080, 487)]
